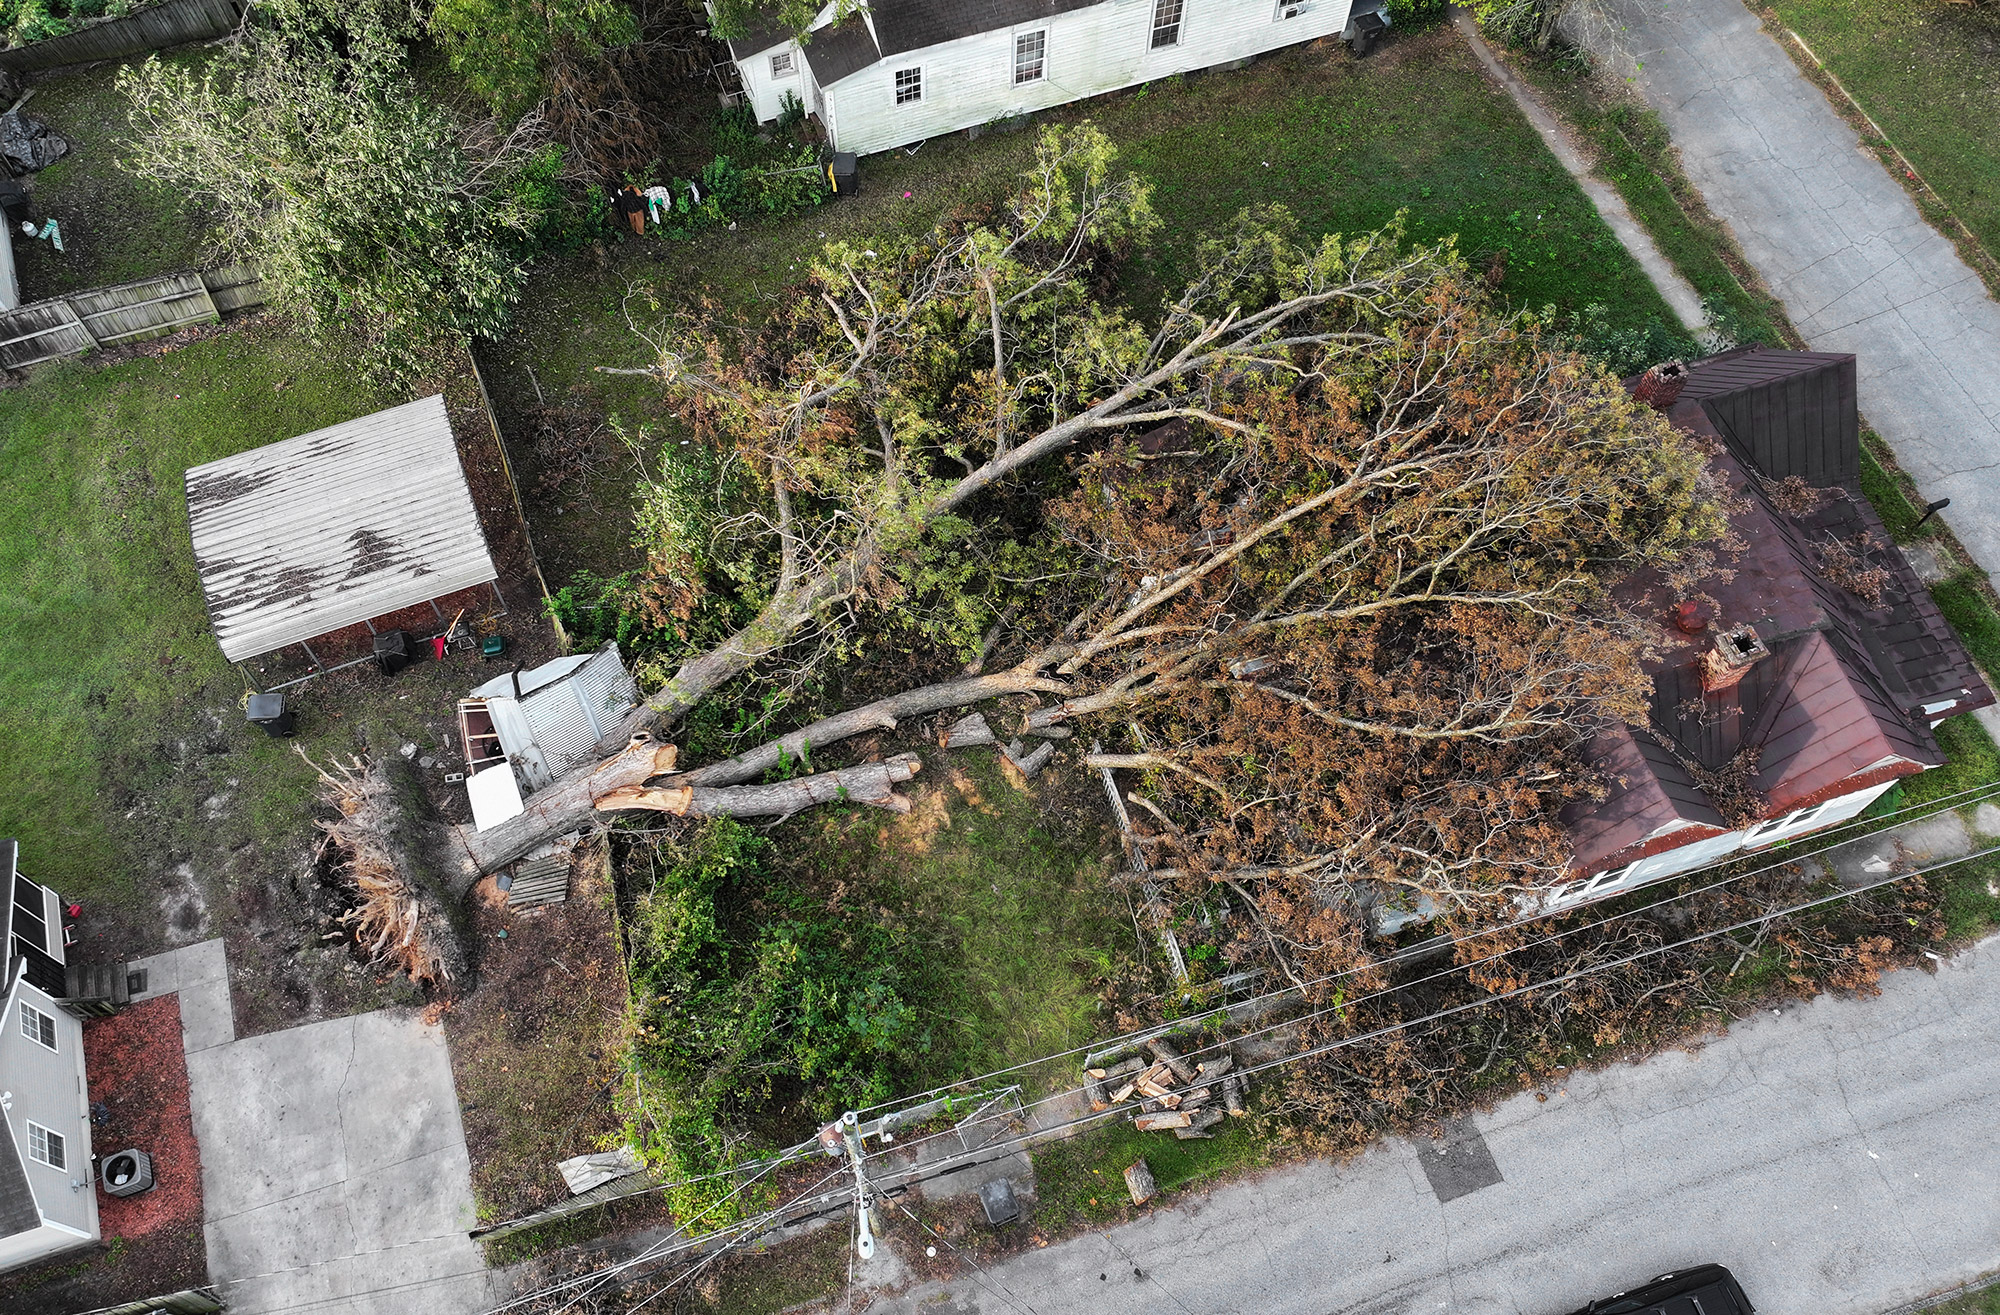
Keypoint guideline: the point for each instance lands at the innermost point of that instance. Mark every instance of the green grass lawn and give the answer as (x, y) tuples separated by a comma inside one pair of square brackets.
[(116, 227), (1929, 74), (1986, 1301), (134, 785), (1635, 154), (104, 641), (1012, 888), (1343, 143)]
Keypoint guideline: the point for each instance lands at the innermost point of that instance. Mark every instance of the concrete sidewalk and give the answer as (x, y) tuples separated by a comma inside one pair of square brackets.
[(1840, 1158), (1836, 238)]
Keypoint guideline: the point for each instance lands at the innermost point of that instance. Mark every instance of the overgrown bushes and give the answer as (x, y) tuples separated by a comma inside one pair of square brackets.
[(22, 21), (742, 989)]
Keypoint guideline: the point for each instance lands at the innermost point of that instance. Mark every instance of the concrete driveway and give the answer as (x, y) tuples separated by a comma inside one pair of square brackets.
[(334, 1171), (1836, 238), (1840, 1158)]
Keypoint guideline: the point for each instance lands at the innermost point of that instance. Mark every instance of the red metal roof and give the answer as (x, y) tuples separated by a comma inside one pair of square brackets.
[(1847, 695)]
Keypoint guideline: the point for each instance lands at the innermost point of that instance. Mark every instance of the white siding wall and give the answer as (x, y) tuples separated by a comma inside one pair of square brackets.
[(1686, 858), (767, 92), (1089, 52), (49, 1089)]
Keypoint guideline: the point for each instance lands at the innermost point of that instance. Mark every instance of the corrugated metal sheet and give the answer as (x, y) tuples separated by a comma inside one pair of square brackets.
[(565, 707), (333, 528), (567, 718)]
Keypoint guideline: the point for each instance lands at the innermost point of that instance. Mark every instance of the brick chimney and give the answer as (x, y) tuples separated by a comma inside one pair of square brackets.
[(1736, 650), (1661, 385)]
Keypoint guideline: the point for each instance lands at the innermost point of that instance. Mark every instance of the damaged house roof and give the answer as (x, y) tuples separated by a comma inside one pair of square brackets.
[(1860, 661), (334, 528)]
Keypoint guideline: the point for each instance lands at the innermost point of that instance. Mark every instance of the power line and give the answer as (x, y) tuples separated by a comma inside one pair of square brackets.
[(1212, 1047), (1007, 1146), (1939, 805)]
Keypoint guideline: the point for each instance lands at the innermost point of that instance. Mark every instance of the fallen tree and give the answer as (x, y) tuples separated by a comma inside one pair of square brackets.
[(838, 419)]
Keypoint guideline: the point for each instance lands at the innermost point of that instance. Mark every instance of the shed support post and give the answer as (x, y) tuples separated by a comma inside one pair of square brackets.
[(241, 670), (437, 611), (497, 597), (370, 624)]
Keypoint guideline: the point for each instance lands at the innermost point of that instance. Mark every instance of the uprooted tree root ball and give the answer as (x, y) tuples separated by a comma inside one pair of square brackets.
[(396, 922)]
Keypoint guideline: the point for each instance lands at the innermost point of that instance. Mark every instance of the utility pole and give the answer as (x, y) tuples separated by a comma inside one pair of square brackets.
[(850, 1132)]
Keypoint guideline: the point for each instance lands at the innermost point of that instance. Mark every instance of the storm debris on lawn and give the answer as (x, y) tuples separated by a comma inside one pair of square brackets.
[(1174, 1095)]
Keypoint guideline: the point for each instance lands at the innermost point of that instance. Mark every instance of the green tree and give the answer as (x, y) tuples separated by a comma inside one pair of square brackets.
[(506, 49), (362, 202)]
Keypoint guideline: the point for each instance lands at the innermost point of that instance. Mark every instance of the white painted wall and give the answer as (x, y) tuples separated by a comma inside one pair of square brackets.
[(1089, 52), (1686, 858), (48, 1087), (765, 89)]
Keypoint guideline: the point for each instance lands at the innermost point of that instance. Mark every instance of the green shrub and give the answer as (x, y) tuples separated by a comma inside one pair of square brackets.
[(742, 985), (1416, 15)]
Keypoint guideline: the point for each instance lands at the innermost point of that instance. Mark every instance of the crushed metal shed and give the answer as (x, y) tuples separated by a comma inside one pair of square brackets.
[(335, 528)]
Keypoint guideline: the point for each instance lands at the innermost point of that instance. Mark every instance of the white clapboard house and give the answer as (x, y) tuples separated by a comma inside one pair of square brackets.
[(48, 1200), (899, 71)]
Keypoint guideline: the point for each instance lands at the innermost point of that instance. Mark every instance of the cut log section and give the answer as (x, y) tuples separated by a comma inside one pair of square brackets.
[(1163, 1050), (1139, 1182), (969, 732), (1162, 1122), (1199, 1123), (1215, 1068), (1232, 1096)]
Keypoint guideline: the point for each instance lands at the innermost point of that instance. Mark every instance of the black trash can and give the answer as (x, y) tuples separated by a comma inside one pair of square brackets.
[(14, 202), (843, 174), (392, 651), (270, 712)]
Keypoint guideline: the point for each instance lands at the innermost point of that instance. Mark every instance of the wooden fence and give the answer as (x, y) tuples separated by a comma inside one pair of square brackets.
[(104, 317), (192, 1301), (170, 23)]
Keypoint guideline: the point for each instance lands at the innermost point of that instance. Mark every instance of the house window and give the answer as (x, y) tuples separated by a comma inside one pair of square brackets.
[(1166, 23), (1029, 52), (37, 1026), (45, 1147), (781, 64), (909, 85), (1291, 9)]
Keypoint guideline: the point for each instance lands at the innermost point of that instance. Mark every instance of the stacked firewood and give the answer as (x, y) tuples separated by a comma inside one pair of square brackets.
[(1172, 1094)]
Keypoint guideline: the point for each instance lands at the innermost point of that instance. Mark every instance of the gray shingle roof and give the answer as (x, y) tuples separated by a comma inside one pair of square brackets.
[(332, 528)]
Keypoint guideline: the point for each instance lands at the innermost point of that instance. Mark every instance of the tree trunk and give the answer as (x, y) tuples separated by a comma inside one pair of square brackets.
[(565, 806), (870, 783)]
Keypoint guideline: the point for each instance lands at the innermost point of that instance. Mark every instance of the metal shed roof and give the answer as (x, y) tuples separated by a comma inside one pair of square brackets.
[(333, 528)]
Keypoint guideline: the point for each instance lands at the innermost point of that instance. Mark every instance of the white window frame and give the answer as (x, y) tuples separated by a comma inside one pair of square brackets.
[(43, 1142), (1168, 16), (784, 64), (1796, 822), (1289, 9), (34, 1022), (1040, 36), (915, 85)]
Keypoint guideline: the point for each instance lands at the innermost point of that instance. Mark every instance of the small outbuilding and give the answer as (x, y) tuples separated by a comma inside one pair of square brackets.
[(524, 729), (346, 526)]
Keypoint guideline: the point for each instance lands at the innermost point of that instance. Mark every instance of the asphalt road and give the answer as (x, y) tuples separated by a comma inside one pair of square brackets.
[(1843, 1156)]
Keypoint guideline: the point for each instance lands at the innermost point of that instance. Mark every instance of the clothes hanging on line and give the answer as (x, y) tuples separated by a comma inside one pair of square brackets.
[(658, 201), (631, 203)]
